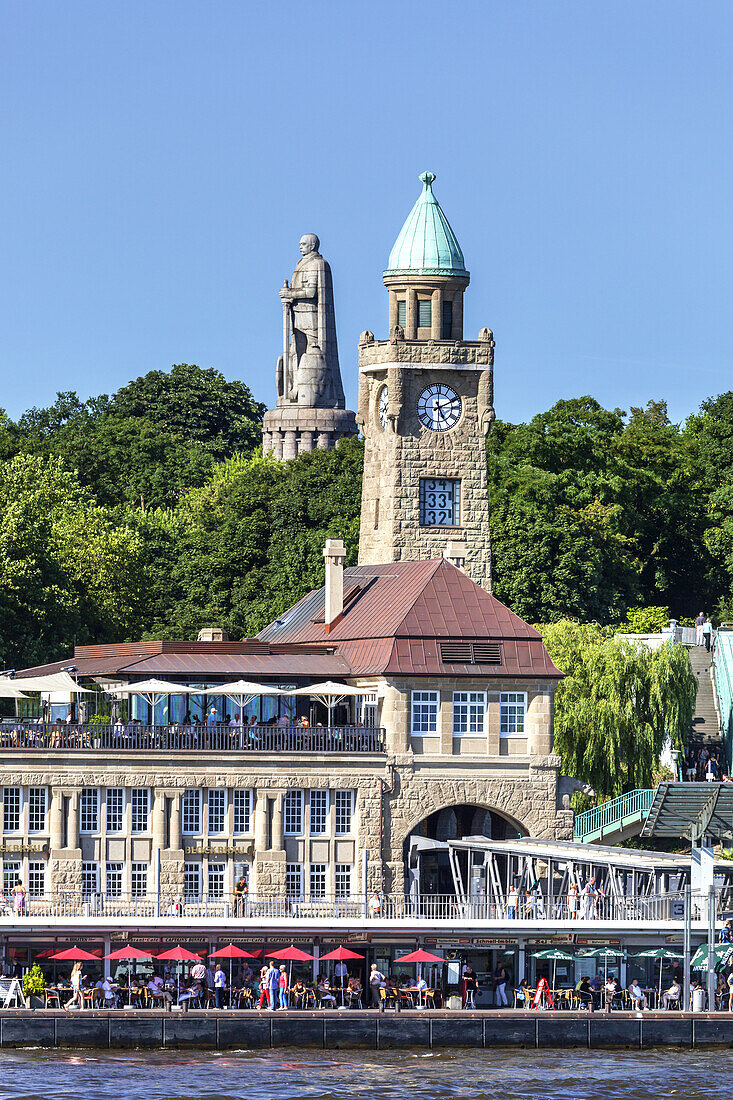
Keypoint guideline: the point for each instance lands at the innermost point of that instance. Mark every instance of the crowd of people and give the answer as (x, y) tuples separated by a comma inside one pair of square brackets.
[(704, 763)]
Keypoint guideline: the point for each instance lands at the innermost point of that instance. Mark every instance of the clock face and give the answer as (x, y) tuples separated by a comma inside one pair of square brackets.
[(382, 407), (439, 407)]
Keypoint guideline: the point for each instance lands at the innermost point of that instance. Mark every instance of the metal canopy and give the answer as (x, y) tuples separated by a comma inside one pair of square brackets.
[(692, 810)]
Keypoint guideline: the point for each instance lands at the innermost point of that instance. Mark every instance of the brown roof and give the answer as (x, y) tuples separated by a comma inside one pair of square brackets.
[(403, 611)]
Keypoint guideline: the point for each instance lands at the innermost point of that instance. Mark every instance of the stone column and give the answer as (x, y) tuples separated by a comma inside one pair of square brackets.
[(411, 314), (392, 311), (277, 438), (266, 442), (159, 820), (175, 838), (305, 443), (324, 440), (56, 822), (278, 840), (436, 314), (290, 445), (260, 823), (72, 830)]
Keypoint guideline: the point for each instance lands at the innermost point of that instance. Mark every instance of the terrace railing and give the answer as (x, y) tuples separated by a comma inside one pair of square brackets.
[(435, 908), (135, 737), (613, 816)]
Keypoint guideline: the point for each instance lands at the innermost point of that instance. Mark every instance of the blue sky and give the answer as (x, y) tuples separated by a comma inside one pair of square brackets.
[(162, 159)]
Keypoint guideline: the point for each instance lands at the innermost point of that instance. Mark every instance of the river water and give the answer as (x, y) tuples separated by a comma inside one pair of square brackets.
[(387, 1075)]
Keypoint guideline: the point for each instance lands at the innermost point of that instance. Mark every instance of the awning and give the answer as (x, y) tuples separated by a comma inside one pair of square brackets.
[(55, 681), (692, 810)]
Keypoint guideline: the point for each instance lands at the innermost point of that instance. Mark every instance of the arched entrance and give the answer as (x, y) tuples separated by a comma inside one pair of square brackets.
[(427, 865)]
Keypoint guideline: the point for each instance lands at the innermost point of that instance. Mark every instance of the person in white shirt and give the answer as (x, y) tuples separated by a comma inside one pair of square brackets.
[(637, 995), (220, 981), (512, 902), (157, 991), (341, 973)]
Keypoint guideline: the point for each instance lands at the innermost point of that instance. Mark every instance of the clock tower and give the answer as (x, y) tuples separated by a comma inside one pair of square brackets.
[(425, 406)]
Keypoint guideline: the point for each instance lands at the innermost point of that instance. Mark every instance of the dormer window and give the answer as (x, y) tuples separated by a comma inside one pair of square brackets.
[(424, 314)]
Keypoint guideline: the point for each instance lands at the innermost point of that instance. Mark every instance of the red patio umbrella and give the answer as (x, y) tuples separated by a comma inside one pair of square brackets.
[(231, 951), (291, 954), (179, 954), (340, 954), (75, 954), (420, 957), (129, 954)]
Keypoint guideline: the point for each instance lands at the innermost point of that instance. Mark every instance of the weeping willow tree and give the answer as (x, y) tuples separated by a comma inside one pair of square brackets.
[(617, 705)]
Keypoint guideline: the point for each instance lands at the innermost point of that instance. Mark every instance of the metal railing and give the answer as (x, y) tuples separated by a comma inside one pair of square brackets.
[(723, 678), (385, 907), (135, 737), (613, 815)]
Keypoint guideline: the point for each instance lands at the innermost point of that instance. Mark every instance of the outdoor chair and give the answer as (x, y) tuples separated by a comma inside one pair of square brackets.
[(52, 998)]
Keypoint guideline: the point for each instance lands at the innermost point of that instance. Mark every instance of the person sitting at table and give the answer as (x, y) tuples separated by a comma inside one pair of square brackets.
[(157, 991), (325, 996), (522, 994), (299, 994), (613, 991), (584, 993), (596, 985), (194, 992), (637, 996), (672, 994), (353, 992)]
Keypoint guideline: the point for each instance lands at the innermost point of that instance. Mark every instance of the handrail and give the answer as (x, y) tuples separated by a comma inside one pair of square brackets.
[(723, 677), (613, 814), (133, 737)]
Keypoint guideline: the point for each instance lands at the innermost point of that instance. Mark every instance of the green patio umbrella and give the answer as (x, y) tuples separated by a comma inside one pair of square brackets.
[(661, 953), (556, 955), (604, 953), (722, 953)]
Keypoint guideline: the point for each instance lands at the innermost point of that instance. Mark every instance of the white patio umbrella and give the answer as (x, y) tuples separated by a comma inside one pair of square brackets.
[(154, 690), (330, 694), (8, 690), (242, 691), (54, 681)]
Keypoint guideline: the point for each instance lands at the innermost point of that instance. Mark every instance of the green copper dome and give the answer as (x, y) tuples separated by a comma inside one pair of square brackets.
[(426, 245)]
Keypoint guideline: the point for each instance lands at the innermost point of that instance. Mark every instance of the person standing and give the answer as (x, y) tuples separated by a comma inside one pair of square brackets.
[(19, 898), (707, 632), (220, 981), (573, 901), (500, 980), (376, 981), (273, 985), (512, 903), (283, 986), (699, 624)]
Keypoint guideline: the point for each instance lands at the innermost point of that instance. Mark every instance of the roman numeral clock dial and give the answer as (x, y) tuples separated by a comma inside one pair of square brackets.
[(439, 407)]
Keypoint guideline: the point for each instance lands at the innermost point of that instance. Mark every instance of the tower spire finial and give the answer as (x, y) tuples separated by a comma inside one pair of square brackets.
[(427, 178)]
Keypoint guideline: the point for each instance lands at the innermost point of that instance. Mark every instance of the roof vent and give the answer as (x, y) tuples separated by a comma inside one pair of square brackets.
[(212, 634), (470, 653)]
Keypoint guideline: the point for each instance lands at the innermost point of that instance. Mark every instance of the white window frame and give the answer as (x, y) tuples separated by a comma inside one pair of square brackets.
[(318, 799), (343, 818), (423, 715), (217, 794), (216, 879), (367, 709), (12, 804), (89, 870), (294, 880), (317, 881), (469, 711), (511, 699), (139, 876), (36, 877), (139, 801), (12, 871), (294, 812), (37, 809), (114, 792), (85, 810), (192, 870), (114, 879), (242, 806), (343, 876), (191, 812)]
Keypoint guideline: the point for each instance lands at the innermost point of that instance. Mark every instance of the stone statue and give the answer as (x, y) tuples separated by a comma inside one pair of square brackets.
[(308, 372)]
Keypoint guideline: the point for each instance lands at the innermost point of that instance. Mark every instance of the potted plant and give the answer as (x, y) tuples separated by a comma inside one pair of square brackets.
[(34, 987)]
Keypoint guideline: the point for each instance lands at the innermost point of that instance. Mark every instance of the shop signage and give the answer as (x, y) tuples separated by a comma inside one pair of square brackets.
[(23, 849), (603, 940), (246, 850), (494, 943)]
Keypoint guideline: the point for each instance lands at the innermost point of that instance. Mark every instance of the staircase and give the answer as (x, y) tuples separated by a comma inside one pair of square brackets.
[(705, 722), (614, 821)]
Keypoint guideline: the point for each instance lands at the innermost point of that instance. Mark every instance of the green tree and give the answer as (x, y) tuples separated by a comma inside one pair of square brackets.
[(616, 706), (69, 570)]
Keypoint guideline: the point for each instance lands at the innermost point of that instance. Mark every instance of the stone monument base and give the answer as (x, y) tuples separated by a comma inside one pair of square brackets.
[(293, 430)]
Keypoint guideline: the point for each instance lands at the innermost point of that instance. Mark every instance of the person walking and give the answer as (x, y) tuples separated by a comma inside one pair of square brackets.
[(77, 994), (500, 980), (273, 985), (376, 981), (699, 624)]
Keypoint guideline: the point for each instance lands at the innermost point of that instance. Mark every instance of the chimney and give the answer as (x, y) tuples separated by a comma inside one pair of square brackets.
[(455, 553), (334, 554), (212, 634)]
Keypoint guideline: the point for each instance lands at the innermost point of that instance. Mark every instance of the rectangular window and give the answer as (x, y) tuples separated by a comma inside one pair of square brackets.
[(115, 809), (446, 328), (113, 880), (89, 810), (11, 809), (11, 874), (401, 312), (242, 812), (469, 710), (216, 880), (512, 709), (139, 880), (217, 810), (192, 881), (294, 880), (37, 807), (139, 809), (89, 879), (424, 314), (36, 879), (440, 502), (366, 709), (294, 802), (318, 880), (424, 713), (343, 880), (191, 813), (344, 811), (319, 812)]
